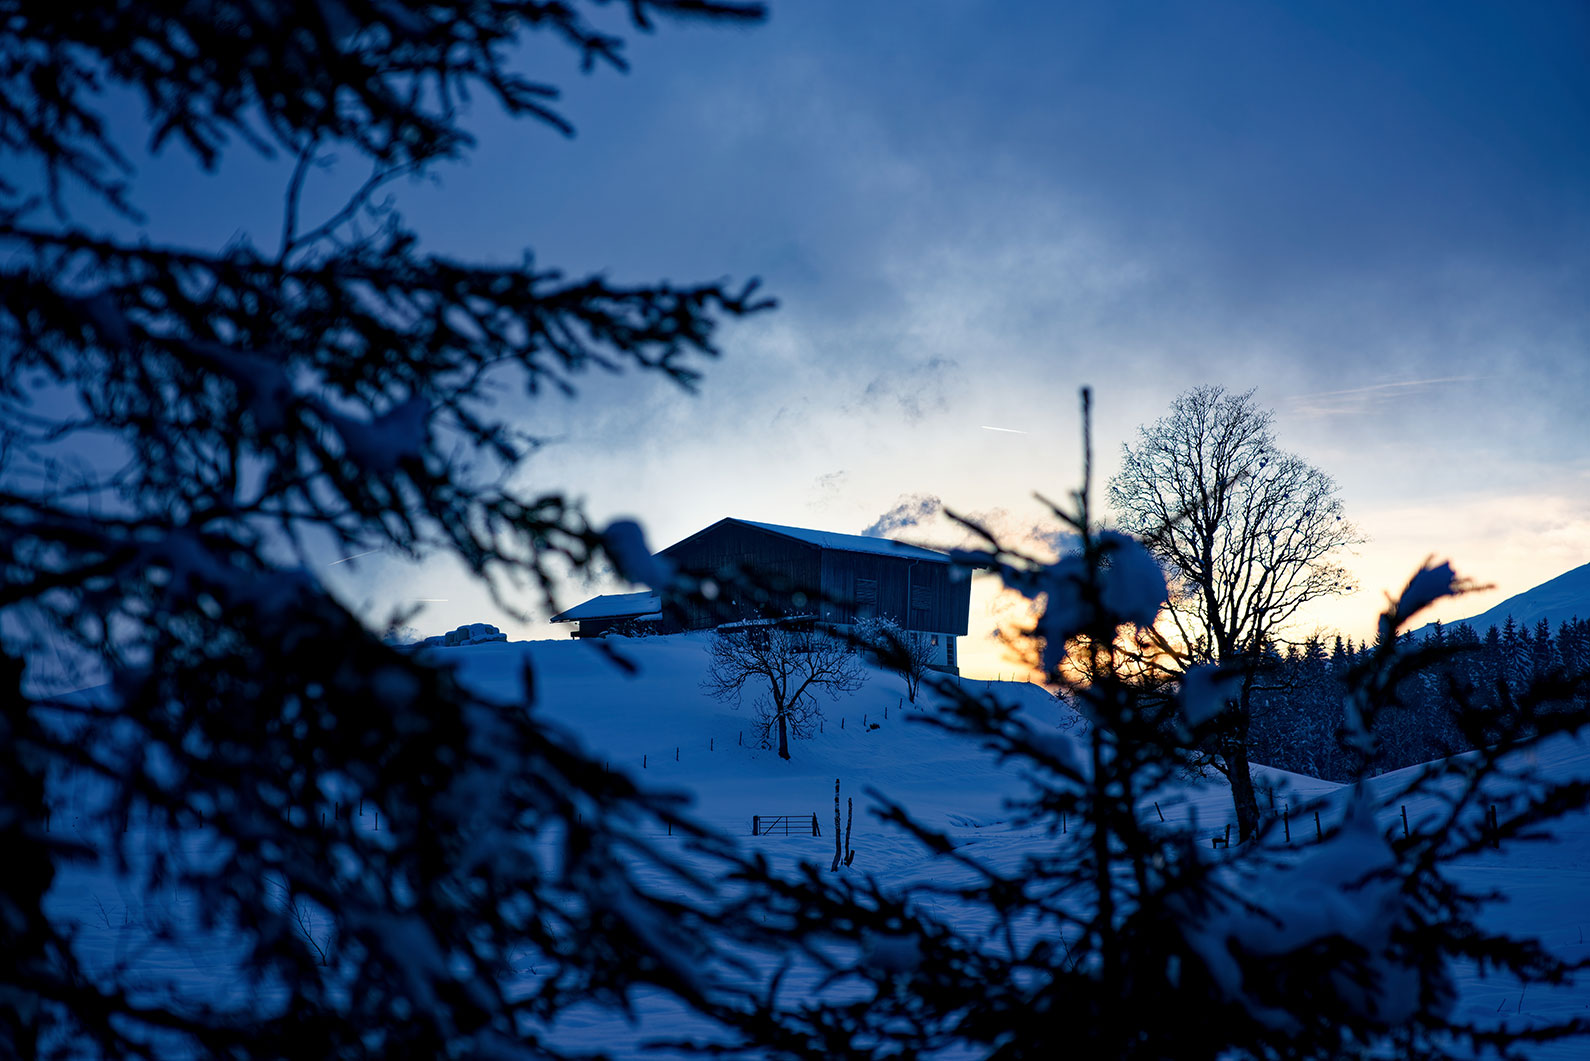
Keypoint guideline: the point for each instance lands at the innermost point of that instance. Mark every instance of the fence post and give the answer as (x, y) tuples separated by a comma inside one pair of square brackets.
[(1158, 811), (1319, 834), (1404, 821), (838, 854), (1286, 823)]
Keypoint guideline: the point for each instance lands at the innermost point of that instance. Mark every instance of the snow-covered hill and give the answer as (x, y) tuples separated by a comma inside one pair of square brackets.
[(1565, 597), (656, 723)]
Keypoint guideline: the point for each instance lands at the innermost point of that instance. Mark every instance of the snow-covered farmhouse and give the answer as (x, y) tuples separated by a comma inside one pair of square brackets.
[(835, 578)]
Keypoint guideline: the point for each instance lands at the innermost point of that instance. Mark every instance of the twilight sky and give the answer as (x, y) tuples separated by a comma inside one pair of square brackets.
[(1377, 216)]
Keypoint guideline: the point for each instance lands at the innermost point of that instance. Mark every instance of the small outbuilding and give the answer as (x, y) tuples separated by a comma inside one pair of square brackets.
[(620, 612)]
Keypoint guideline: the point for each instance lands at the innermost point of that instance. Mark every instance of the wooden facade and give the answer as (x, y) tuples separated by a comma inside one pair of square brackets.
[(838, 578)]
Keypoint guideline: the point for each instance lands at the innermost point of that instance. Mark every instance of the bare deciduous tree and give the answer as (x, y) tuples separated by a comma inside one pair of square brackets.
[(1247, 532), (907, 653), (786, 668)]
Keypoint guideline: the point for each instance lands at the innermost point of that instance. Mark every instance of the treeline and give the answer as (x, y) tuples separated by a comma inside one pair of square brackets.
[(1299, 707)]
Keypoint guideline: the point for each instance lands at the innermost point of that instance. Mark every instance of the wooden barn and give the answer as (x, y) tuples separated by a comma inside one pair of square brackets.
[(833, 578)]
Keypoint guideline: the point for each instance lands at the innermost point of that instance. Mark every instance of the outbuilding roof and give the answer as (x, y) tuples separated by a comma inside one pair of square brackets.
[(613, 606)]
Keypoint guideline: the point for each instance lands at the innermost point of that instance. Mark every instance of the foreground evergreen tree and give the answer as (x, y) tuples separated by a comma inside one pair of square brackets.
[(182, 428), (1117, 934)]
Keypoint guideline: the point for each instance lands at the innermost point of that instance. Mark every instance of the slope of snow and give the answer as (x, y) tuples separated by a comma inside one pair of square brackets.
[(656, 723)]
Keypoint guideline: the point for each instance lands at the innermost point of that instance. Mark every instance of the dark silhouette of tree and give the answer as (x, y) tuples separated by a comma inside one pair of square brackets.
[(1341, 947), (1248, 534), (182, 430), (786, 668)]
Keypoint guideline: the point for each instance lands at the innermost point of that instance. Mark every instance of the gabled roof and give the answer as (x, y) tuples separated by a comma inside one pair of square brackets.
[(613, 606), (849, 543)]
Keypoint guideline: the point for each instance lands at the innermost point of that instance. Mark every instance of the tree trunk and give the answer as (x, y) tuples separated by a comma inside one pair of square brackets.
[(1243, 797), (783, 734), (30, 869)]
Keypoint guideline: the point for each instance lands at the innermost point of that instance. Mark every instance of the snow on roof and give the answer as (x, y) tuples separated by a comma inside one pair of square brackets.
[(851, 543), (612, 606)]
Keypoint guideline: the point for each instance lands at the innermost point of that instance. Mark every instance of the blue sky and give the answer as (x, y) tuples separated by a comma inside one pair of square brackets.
[(1378, 216)]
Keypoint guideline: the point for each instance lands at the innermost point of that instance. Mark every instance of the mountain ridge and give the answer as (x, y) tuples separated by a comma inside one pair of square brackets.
[(1557, 600)]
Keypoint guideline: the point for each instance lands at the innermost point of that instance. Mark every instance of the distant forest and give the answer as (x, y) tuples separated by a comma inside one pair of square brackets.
[(1299, 706)]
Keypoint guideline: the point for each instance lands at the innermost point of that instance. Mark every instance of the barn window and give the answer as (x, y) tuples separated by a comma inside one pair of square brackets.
[(866, 598), (921, 597)]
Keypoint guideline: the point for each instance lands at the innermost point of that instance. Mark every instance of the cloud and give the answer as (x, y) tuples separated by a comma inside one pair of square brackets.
[(828, 486), (1044, 539), (916, 390), (1356, 401), (912, 510)]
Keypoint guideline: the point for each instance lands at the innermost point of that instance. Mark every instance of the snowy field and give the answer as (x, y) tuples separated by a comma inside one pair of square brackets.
[(658, 725)]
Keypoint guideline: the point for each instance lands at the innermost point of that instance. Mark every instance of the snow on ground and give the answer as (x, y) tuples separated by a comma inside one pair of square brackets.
[(657, 724)]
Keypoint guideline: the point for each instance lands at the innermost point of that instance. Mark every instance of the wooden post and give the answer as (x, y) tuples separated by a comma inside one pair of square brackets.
[(850, 813), (837, 852), (815, 831), (1404, 821), (643, 760), (1319, 834), (1158, 811), (710, 742), (756, 824), (1286, 823), (1228, 834), (676, 753)]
